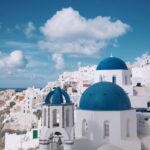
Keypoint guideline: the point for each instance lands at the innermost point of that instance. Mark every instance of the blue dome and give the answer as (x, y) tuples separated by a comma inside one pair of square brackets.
[(104, 96), (112, 63), (57, 97)]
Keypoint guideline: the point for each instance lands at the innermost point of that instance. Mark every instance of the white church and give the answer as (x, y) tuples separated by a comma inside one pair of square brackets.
[(105, 118)]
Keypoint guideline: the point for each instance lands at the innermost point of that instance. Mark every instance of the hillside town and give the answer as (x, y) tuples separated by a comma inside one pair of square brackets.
[(21, 112)]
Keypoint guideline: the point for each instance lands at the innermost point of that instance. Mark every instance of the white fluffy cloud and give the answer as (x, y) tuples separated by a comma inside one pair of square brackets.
[(59, 61), (67, 32), (30, 29), (14, 61)]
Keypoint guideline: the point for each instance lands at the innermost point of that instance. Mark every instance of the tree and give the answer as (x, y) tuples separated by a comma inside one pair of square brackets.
[(38, 114), (11, 104)]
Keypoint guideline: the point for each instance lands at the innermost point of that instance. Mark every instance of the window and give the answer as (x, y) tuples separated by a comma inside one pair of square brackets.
[(148, 104), (84, 127), (126, 80), (138, 84), (48, 117), (128, 128), (44, 116), (56, 118), (101, 78), (106, 129), (114, 79), (67, 117)]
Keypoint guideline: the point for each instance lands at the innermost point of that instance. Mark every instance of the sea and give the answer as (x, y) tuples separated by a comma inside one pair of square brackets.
[(16, 89)]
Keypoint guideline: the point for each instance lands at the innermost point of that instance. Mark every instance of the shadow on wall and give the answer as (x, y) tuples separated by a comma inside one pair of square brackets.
[(83, 144)]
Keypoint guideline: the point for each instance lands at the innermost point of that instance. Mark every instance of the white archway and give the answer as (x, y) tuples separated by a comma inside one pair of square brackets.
[(63, 132)]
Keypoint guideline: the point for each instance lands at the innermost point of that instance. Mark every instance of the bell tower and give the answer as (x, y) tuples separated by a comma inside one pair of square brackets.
[(57, 123)]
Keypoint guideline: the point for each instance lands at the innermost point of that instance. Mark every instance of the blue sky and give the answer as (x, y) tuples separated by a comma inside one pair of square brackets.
[(41, 39)]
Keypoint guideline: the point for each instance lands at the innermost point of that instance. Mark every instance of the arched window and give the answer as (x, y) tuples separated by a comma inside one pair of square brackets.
[(48, 117), (114, 79), (84, 127), (44, 116), (126, 80), (56, 118), (128, 128), (106, 129), (67, 117), (148, 104)]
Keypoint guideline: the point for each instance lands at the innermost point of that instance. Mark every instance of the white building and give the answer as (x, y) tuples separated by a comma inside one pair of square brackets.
[(106, 118), (57, 120), (27, 141), (135, 81), (141, 70), (141, 75), (113, 69), (104, 121), (23, 113), (26, 117)]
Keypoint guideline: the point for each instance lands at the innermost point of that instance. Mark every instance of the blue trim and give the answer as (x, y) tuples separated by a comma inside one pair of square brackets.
[(142, 110), (66, 96), (57, 97), (47, 99)]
